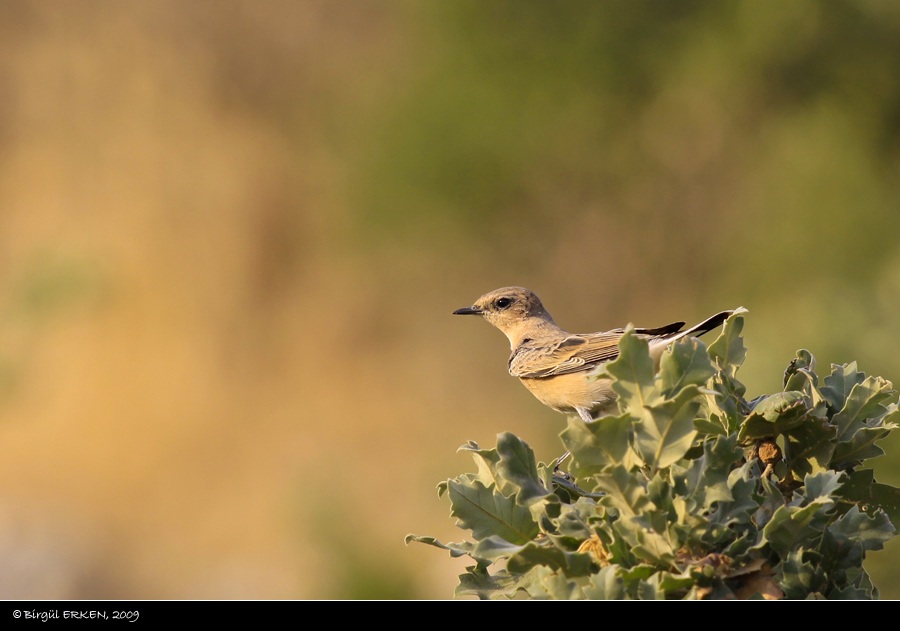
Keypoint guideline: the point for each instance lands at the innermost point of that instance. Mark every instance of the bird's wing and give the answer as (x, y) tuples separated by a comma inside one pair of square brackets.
[(575, 353), (571, 354)]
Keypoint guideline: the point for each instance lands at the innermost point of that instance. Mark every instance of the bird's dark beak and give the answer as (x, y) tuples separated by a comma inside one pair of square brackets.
[(468, 311)]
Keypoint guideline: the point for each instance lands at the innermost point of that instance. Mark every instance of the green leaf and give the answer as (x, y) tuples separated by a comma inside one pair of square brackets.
[(459, 549), (871, 531), (853, 592), (705, 480), (822, 486), (531, 554), (839, 384), (674, 582), (813, 441), (861, 446), (727, 402), (623, 491), (728, 351), (864, 401), (800, 373), (738, 509), (684, 363), (650, 589), (548, 583), (793, 525), (775, 415), (596, 445), (487, 512), (799, 578), (518, 466), (715, 425), (862, 489), (647, 543), (486, 460), (839, 553), (666, 430), (634, 374), (775, 407), (494, 548), (606, 584), (477, 581)]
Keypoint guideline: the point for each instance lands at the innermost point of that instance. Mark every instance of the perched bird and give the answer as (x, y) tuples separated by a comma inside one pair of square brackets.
[(559, 368)]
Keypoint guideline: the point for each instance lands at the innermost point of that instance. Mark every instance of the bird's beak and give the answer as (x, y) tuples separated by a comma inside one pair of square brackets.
[(468, 311)]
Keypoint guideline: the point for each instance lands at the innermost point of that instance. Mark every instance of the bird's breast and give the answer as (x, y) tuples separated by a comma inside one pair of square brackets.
[(566, 392)]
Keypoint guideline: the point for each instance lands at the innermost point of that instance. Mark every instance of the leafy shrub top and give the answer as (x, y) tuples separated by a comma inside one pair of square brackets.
[(690, 491)]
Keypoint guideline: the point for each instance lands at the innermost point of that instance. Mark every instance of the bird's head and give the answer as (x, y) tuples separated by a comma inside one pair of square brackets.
[(513, 310)]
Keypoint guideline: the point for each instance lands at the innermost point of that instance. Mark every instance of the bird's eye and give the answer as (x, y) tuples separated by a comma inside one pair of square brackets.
[(503, 303)]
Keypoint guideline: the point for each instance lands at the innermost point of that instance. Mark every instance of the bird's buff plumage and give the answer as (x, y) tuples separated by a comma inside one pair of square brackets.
[(559, 368)]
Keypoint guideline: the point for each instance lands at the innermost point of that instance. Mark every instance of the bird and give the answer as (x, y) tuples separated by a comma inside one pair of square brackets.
[(561, 368)]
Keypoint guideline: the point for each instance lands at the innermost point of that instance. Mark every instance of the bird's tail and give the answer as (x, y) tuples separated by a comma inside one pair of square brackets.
[(666, 335), (709, 324)]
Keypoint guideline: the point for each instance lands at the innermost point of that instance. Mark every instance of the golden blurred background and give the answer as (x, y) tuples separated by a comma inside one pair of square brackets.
[(234, 231)]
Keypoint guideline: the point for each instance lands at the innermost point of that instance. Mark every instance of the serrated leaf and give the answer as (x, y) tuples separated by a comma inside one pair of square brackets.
[(647, 543), (713, 426), (865, 401), (517, 465), (755, 427), (822, 486), (666, 430), (861, 446), (669, 582), (458, 549), (531, 554), (494, 548), (596, 445), (477, 581), (769, 500), (486, 512), (775, 415), (839, 553), (555, 584), (792, 525), (800, 374), (780, 405), (728, 401), (852, 592), (870, 531), (650, 589), (623, 491), (839, 384), (606, 584), (573, 520), (486, 461), (811, 442), (706, 478), (738, 509), (684, 363), (728, 351), (862, 489), (799, 578), (633, 371)]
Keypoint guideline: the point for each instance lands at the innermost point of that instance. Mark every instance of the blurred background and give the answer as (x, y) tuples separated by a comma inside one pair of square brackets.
[(233, 233)]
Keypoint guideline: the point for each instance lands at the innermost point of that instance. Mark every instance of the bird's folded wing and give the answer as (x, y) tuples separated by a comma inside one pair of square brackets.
[(571, 354)]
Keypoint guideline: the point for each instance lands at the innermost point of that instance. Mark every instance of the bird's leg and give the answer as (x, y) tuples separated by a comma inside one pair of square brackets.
[(557, 471)]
